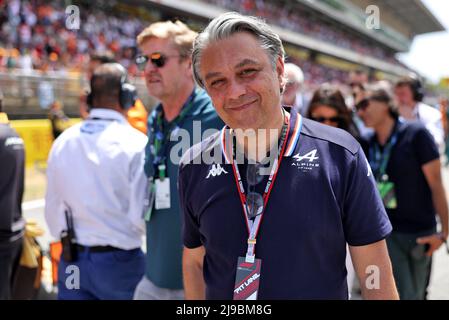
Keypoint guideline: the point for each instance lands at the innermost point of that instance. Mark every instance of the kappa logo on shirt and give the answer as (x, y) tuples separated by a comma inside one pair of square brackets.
[(307, 161), (216, 170)]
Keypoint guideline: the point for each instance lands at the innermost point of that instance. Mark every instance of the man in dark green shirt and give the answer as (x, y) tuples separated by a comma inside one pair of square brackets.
[(185, 112)]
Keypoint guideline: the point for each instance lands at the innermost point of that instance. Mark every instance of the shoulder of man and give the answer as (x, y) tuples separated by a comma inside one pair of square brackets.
[(428, 112), (412, 128), (330, 134), (197, 150), (9, 137), (204, 111)]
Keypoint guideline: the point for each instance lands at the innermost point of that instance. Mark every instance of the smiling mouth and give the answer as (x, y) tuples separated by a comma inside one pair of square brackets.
[(243, 106)]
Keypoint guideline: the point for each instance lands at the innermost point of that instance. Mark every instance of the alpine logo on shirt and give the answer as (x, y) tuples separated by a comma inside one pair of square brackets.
[(307, 161), (216, 170)]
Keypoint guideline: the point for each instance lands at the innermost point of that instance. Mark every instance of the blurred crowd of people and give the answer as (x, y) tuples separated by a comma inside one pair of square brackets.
[(33, 35), (292, 16)]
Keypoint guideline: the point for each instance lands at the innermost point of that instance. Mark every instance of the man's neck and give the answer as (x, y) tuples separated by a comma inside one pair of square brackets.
[(384, 130), (408, 111), (172, 105), (256, 147)]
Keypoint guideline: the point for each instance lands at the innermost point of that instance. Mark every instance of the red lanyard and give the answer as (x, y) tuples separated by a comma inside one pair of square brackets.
[(253, 227)]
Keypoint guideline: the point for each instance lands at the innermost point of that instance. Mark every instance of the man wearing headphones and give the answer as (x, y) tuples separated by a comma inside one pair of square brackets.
[(95, 194), (409, 94)]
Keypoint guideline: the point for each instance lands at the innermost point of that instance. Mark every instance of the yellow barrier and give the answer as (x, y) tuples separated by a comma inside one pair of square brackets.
[(38, 139)]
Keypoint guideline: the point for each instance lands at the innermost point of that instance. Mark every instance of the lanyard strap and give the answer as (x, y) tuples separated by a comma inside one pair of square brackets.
[(381, 159), (162, 136), (253, 227)]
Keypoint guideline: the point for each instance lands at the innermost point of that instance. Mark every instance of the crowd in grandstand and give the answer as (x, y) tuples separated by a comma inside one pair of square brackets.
[(33, 35), (293, 16)]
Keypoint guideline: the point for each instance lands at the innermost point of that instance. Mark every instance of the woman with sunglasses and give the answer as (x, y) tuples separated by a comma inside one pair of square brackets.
[(328, 107)]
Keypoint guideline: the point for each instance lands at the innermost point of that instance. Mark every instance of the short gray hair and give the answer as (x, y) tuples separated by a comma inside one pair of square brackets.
[(297, 76), (228, 24)]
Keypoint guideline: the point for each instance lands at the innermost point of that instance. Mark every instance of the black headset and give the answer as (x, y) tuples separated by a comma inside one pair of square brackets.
[(417, 88), (127, 92)]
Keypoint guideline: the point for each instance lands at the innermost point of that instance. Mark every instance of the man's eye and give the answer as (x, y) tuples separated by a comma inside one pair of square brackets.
[(216, 83), (248, 72)]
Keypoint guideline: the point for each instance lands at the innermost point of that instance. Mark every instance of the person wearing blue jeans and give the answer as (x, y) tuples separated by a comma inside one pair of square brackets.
[(109, 275)]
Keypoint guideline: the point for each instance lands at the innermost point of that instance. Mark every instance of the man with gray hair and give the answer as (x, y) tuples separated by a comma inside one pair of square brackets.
[(318, 196), (293, 95)]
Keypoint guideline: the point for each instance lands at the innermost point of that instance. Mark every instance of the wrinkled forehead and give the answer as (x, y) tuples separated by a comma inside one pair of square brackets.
[(233, 50)]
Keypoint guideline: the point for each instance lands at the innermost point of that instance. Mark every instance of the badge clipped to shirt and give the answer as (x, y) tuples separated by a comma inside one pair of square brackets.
[(247, 279), (387, 192), (162, 187)]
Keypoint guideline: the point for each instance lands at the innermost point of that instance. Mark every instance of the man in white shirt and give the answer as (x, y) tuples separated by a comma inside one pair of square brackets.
[(409, 95), (95, 171)]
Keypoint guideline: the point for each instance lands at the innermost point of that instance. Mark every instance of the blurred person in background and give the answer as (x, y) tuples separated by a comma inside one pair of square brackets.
[(405, 162), (357, 81), (293, 96), (12, 164), (59, 120), (328, 106), (409, 94), (444, 109), (137, 115), (106, 200)]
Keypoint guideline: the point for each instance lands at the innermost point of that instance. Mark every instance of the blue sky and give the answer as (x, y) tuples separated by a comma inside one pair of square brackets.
[(429, 53)]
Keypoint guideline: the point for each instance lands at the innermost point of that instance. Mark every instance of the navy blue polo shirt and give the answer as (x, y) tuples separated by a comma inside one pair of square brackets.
[(415, 147), (324, 197)]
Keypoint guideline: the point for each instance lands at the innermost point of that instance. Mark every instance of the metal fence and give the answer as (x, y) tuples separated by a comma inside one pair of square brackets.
[(27, 94)]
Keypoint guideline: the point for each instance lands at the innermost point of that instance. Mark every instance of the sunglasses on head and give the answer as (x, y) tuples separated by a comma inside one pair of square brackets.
[(335, 119), (362, 105), (157, 59), (254, 200)]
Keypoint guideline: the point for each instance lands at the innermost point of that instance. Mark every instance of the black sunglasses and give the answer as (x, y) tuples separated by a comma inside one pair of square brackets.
[(254, 200), (330, 119), (157, 59), (362, 104)]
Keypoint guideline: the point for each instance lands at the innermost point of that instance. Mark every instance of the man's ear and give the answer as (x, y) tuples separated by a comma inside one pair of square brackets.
[(280, 72)]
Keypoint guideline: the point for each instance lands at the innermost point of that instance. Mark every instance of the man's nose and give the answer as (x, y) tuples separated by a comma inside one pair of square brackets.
[(235, 90)]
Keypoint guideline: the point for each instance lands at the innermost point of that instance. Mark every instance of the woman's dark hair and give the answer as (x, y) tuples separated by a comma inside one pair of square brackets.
[(330, 96)]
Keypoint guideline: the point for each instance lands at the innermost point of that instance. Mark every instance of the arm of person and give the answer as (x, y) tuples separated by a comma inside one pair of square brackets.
[(54, 206), (432, 172), (373, 268), (138, 188), (192, 268)]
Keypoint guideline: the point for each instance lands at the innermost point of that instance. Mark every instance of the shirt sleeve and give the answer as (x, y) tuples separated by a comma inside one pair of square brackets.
[(364, 218), (138, 187), (190, 226), (54, 205), (424, 145)]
